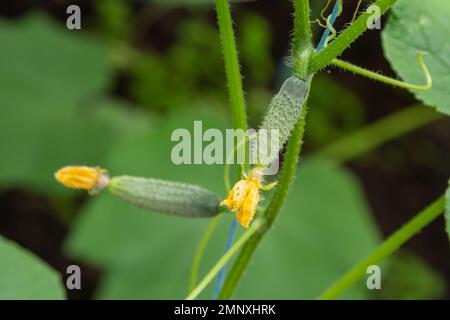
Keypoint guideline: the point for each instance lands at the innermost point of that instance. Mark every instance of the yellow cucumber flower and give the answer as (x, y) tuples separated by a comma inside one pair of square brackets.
[(244, 197), (82, 177)]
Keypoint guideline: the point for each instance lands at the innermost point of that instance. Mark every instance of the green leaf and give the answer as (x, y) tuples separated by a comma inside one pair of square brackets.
[(24, 276), (147, 255), (417, 25), (44, 64)]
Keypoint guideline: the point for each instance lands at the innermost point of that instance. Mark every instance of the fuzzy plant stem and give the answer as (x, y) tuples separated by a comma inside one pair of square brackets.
[(232, 69), (301, 35), (390, 245)]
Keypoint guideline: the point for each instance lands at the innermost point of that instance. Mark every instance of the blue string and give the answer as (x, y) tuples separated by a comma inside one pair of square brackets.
[(327, 31), (232, 233), (221, 276)]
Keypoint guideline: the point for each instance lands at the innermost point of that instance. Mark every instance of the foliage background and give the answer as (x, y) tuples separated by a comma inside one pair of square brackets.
[(111, 93)]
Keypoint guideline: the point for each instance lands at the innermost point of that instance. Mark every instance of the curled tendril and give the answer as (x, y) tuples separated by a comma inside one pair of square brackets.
[(325, 9)]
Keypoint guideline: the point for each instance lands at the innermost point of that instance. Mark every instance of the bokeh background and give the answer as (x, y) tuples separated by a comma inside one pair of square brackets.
[(111, 93)]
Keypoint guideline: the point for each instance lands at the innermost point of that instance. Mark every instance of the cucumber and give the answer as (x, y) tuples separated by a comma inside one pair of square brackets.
[(174, 198)]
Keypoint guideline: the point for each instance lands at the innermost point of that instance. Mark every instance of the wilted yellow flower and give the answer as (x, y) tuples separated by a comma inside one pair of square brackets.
[(82, 177), (244, 197)]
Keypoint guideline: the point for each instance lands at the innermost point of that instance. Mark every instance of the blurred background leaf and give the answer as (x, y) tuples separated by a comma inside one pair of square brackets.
[(44, 66), (255, 42), (407, 277), (55, 115), (416, 26), (23, 276)]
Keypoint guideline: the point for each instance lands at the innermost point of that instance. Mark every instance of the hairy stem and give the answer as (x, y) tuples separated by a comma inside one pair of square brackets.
[(301, 44), (222, 261), (238, 110), (386, 248), (343, 41), (232, 69), (375, 134), (301, 54)]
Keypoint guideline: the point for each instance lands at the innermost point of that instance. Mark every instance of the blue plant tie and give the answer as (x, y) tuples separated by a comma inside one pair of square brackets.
[(221, 275), (232, 233), (327, 31)]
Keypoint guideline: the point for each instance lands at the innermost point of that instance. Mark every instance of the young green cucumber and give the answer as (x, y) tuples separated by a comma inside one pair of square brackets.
[(281, 117), (168, 197)]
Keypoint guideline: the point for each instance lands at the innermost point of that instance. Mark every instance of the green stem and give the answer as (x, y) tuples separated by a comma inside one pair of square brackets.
[(224, 259), (232, 69), (368, 138), (201, 249), (285, 181), (343, 41), (301, 51), (237, 102), (386, 248), (301, 45), (302, 26), (378, 77)]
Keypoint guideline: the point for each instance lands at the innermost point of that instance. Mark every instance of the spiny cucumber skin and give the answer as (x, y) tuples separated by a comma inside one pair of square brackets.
[(284, 112), (168, 197)]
